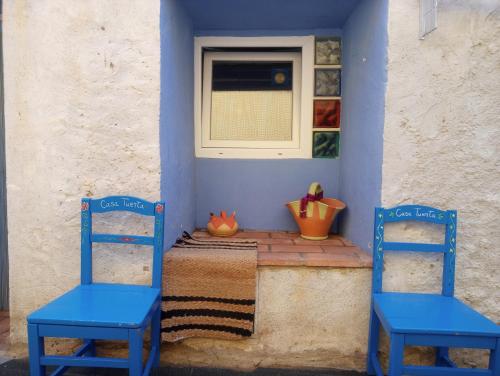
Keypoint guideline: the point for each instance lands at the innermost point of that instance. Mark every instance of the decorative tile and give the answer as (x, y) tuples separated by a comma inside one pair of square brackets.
[(327, 82), (326, 113), (328, 51), (325, 144)]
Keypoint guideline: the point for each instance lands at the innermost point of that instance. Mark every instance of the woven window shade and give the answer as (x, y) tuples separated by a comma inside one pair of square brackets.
[(251, 115)]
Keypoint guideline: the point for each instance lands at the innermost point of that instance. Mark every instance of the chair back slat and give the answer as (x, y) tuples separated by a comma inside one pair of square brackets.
[(123, 239), (86, 243), (415, 213), (158, 244), (417, 247), (121, 203), (450, 242), (422, 214)]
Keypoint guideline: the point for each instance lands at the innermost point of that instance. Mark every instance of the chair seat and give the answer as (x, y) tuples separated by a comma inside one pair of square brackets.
[(99, 304), (431, 314)]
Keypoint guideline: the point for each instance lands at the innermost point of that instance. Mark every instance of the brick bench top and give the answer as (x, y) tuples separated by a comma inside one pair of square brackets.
[(289, 249)]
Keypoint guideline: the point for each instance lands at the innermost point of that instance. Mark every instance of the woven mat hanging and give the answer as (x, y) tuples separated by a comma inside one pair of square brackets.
[(209, 289)]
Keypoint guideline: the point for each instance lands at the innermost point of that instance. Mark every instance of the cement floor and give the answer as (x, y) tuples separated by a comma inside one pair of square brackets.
[(19, 367)]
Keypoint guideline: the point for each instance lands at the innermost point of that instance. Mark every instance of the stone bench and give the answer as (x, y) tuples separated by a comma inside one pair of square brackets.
[(313, 300)]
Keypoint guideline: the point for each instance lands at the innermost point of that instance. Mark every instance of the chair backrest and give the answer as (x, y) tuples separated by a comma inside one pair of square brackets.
[(121, 203), (421, 214)]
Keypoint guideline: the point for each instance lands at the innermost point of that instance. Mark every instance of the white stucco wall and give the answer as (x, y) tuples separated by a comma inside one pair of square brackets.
[(442, 141), (82, 85), (82, 97)]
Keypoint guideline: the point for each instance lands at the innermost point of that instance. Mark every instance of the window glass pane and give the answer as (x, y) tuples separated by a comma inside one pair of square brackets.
[(251, 115), (251, 101), (251, 75)]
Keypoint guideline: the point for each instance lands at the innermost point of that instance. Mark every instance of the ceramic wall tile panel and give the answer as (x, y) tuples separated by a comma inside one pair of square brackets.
[(327, 82), (328, 51), (326, 113), (326, 144)]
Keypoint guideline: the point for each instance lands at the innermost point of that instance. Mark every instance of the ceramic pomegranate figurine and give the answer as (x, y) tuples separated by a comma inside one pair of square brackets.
[(222, 225)]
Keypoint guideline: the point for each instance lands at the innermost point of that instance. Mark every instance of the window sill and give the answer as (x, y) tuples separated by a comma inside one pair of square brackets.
[(289, 249)]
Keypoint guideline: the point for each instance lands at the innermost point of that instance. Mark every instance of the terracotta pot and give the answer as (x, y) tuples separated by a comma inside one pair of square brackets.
[(222, 225), (316, 215)]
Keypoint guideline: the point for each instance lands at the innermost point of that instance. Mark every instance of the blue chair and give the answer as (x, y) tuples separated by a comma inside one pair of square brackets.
[(436, 320), (93, 311)]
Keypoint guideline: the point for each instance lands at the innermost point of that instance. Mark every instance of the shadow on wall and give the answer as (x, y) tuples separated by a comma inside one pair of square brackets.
[(363, 101), (176, 119)]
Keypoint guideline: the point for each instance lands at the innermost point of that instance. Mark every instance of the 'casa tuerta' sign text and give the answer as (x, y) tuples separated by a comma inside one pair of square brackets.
[(415, 213), (121, 203)]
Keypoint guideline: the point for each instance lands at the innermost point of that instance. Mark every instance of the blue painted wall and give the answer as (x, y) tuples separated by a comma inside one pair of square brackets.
[(363, 92), (258, 189), (176, 119), (267, 32), (268, 14)]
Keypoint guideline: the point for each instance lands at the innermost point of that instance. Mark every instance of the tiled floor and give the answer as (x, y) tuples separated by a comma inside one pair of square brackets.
[(289, 249)]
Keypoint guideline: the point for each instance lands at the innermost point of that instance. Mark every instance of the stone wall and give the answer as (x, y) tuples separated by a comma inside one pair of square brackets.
[(82, 119), (441, 141), (305, 317)]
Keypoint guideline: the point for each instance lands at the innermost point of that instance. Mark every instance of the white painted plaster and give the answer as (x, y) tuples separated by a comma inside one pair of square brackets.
[(82, 118), (305, 317), (82, 85), (441, 143)]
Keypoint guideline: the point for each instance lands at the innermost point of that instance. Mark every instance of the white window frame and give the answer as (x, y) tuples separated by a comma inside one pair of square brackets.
[(301, 144), (209, 58)]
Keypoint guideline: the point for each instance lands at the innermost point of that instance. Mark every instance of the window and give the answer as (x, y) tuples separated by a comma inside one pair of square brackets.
[(249, 97)]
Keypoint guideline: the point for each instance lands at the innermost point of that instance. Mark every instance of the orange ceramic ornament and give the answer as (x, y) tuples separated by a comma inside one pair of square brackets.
[(222, 225), (314, 214)]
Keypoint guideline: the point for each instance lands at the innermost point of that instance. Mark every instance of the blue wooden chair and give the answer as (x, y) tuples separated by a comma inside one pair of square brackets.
[(103, 310), (436, 320)]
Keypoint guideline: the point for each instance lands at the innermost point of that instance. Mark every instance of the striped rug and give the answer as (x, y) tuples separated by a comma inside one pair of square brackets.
[(209, 289)]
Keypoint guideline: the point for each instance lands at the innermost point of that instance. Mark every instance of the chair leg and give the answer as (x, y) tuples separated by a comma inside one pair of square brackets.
[(441, 356), (373, 341), (396, 355), (135, 352), (36, 350), (91, 351), (155, 336), (495, 360)]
